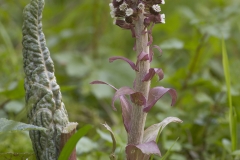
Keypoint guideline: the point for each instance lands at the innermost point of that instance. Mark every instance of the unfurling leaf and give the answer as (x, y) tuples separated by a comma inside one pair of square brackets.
[(152, 72), (156, 93), (142, 151), (112, 155), (133, 66), (150, 134), (125, 106)]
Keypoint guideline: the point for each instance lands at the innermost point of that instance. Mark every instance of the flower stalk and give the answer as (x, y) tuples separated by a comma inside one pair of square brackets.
[(139, 16)]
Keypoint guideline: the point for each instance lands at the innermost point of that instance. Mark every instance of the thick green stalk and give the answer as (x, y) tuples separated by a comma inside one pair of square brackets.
[(138, 117)]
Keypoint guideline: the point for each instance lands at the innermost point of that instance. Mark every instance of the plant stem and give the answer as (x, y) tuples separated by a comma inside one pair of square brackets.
[(138, 117)]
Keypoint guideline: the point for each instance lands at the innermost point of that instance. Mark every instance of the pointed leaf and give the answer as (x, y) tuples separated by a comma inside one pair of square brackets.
[(121, 92), (142, 151), (124, 59), (101, 82), (152, 72), (156, 93), (150, 134), (9, 125), (112, 155)]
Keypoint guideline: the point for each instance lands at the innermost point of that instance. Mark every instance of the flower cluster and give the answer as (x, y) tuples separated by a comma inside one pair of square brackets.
[(125, 12)]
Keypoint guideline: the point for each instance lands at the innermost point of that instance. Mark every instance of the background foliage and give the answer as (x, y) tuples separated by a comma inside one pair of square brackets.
[(81, 38)]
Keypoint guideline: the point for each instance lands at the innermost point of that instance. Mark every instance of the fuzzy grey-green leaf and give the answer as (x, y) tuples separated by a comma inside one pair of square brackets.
[(43, 96)]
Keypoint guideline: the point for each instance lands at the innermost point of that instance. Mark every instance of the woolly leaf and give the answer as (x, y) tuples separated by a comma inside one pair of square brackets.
[(43, 96)]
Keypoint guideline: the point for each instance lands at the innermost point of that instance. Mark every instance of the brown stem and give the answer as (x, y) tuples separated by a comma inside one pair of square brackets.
[(138, 117), (67, 133)]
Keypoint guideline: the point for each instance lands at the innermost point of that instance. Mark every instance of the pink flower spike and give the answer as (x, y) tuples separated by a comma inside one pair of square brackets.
[(133, 66), (121, 92), (156, 93), (152, 72)]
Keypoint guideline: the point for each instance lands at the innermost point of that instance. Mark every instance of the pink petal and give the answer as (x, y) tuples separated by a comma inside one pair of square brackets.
[(124, 59), (121, 92), (156, 93), (152, 72), (101, 82), (138, 98), (142, 151)]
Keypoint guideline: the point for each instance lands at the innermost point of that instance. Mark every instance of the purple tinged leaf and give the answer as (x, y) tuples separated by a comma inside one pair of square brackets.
[(158, 48), (152, 72), (138, 98), (126, 112), (143, 56), (156, 93), (101, 82), (124, 59), (151, 133), (121, 92), (125, 106), (142, 151)]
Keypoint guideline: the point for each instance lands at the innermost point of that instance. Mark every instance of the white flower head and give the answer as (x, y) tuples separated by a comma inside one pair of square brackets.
[(123, 6), (112, 13), (111, 7), (162, 18), (163, 2), (141, 6), (114, 20), (156, 8), (129, 11)]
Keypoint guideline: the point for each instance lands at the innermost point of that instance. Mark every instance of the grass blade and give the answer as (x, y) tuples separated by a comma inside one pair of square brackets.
[(232, 116)]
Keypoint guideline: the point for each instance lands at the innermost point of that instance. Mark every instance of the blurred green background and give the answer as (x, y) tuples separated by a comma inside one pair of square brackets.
[(81, 38)]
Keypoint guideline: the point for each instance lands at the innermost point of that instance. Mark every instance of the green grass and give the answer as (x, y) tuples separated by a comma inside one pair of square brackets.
[(232, 114)]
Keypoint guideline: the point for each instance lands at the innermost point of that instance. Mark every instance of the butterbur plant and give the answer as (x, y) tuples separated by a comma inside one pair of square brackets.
[(140, 16)]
